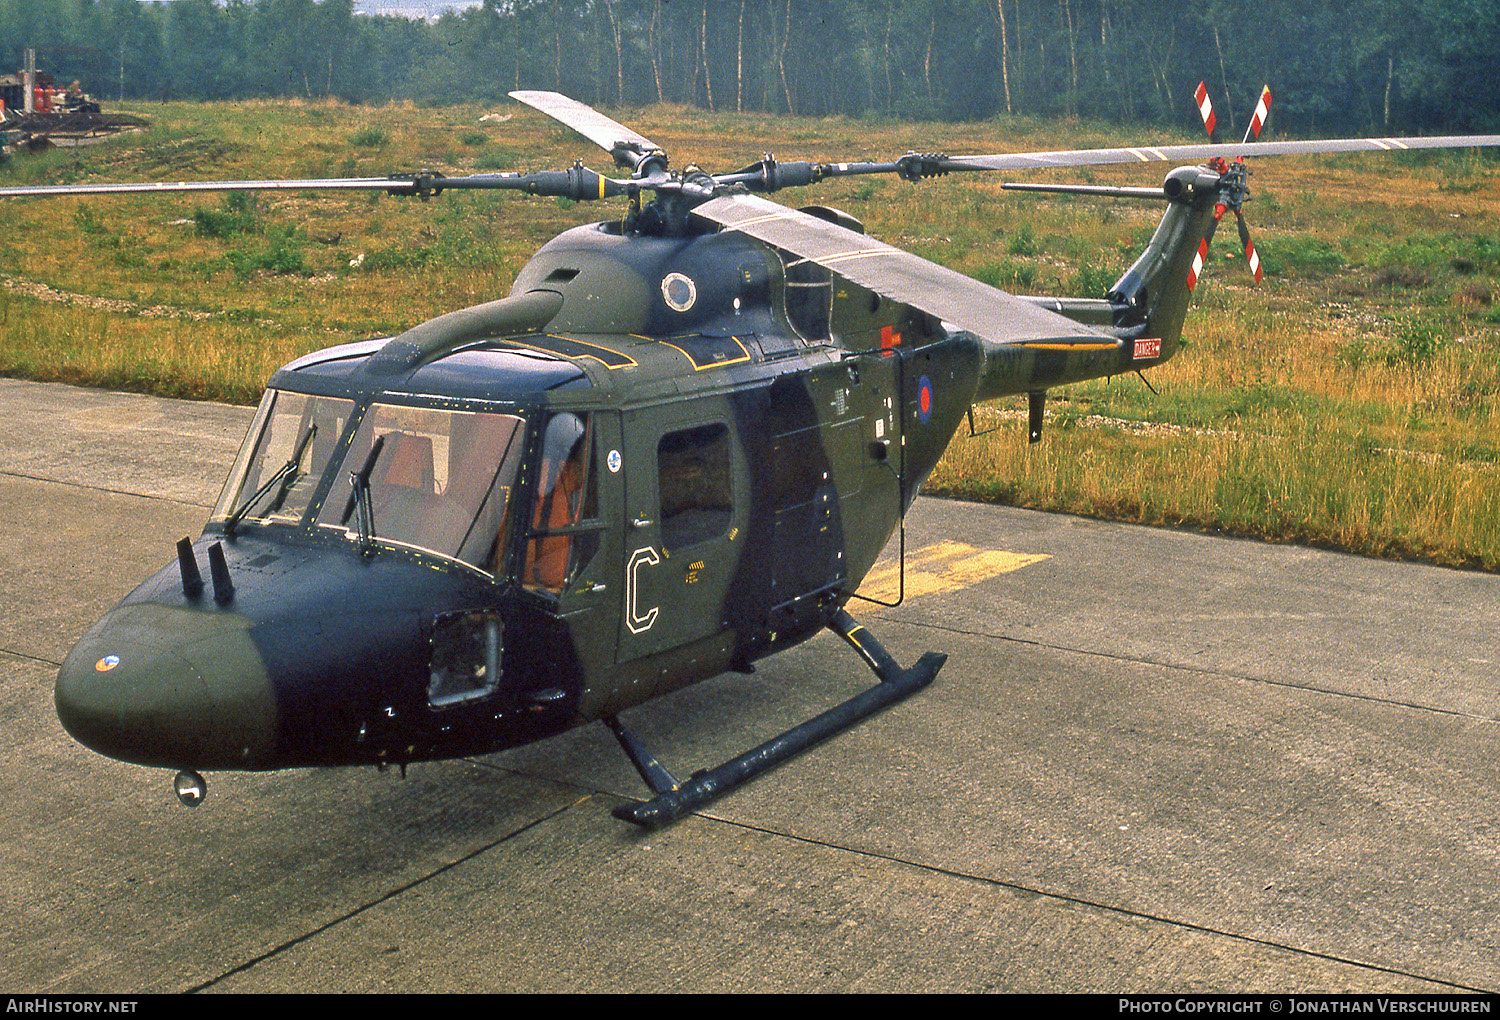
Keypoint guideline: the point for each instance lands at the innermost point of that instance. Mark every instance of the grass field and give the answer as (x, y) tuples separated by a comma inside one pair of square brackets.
[(1352, 400)]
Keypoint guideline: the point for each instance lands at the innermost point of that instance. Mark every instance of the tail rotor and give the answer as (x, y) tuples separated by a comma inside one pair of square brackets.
[(1234, 189)]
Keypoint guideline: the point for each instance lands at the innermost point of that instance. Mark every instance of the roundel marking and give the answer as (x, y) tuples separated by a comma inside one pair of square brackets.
[(679, 292), (924, 399), (107, 663)]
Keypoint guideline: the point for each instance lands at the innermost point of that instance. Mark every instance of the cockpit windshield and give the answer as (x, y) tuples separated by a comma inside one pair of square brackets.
[(429, 478), (283, 459), (440, 480)]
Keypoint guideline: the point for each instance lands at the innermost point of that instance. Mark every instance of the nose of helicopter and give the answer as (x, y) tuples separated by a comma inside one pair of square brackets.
[(133, 688)]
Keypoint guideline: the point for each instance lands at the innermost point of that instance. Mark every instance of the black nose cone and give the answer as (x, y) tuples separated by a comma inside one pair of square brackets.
[(170, 686)]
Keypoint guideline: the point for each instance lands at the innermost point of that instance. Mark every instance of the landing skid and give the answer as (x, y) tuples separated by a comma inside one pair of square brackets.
[(674, 799)]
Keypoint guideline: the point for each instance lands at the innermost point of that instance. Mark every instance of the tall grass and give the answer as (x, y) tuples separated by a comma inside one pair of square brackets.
[(172, 357), (1352, 400), (1304, 483)]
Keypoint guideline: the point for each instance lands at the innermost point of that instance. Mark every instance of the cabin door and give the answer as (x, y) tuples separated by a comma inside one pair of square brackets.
[(684, 479)]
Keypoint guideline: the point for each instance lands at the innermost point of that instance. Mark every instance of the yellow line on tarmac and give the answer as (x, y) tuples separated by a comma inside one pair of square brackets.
[(944, 566)]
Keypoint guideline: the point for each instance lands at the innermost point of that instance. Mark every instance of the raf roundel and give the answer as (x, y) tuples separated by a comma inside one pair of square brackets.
[(924, 399)]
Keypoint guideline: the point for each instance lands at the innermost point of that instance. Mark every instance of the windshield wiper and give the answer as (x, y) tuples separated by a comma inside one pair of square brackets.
[(286, 476), (359, 496)]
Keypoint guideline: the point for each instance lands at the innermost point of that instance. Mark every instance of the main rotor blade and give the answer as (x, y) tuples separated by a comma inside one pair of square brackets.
[(629, 148), (989, 313), (578, 183), (1174, 153), (397, 185)]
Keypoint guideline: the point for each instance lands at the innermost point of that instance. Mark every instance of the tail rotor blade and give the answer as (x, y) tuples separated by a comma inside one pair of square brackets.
[(1201, 256), (1257, 121), (1262, 111), (1251, 258), (1205, 108)]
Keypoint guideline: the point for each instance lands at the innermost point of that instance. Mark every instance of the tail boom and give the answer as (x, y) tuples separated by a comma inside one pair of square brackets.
[(1154, 292)]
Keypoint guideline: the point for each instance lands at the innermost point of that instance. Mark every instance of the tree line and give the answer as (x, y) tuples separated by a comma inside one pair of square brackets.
[(1356, 66)]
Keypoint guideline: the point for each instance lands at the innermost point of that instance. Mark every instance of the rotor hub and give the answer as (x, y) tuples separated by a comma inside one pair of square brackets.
[(1234, 182)]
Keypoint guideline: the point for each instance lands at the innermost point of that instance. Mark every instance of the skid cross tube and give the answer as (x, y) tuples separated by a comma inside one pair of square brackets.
[(677, 800)]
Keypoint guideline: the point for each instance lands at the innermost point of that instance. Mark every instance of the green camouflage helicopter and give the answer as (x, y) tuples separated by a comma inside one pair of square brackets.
[(674, 449)]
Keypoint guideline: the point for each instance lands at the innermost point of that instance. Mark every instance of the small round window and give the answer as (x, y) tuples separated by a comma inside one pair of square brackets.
[(679, 292)]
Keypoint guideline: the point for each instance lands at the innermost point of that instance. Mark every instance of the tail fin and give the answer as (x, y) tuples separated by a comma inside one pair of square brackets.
[(1156, 288)]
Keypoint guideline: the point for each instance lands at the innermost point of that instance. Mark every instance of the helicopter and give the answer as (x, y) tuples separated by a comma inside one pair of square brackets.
[(674, 449)]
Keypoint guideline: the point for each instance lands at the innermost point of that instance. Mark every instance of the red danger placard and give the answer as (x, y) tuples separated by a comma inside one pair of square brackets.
[(1147, 349)]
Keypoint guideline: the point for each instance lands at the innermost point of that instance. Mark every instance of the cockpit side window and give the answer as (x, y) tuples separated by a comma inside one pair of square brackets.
[(566, 495)]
